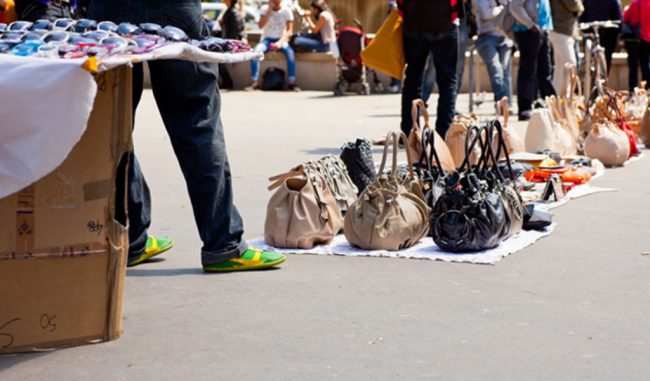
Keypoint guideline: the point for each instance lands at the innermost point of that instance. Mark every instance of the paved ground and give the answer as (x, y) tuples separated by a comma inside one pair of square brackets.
[(573, 306)]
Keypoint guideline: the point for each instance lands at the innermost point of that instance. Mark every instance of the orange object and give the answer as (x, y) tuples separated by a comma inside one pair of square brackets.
[(8, 13), (568, 174)]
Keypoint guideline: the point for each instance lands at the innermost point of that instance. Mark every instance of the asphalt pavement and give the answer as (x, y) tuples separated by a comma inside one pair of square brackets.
[(573, 306)]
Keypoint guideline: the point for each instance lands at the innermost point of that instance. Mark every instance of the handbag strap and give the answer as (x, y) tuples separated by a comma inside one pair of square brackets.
[(429, 149), (503, 110), (278, 180), (417, 107), (393, 139)]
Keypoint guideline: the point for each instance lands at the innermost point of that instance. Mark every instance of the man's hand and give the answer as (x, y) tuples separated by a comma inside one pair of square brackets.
[(536, 29)]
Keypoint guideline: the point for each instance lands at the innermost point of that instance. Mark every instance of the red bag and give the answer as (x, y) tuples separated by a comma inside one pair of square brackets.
[(622, 124)]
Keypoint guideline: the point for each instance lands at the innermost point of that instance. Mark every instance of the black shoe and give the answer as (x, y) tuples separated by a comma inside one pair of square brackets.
[(524, 115)]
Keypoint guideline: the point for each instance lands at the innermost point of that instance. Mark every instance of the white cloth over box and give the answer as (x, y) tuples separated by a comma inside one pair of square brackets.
[(45, 105)]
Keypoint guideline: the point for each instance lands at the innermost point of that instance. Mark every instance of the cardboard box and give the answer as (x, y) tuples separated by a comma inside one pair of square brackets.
[(62, 254)]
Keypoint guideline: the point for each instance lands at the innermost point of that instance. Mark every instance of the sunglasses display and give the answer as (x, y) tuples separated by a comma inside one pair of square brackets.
[(67, 38)]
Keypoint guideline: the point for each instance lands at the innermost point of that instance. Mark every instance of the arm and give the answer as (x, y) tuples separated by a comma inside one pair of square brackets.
[(631, 15), (266, 17), (518, 11), (288, 31), (315, 28)]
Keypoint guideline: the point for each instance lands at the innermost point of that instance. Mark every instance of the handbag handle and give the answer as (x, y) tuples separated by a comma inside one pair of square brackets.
[(393, 139), (502, 110), (417, 106), (429, 149)]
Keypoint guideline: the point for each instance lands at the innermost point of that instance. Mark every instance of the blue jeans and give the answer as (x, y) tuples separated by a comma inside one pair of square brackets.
[(310, 42), (264, 46), (416, 51), (190, 105), (496, 52)]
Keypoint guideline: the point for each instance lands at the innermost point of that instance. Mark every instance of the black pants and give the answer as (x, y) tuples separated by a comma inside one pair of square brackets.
[(535, 71), (633, 48), (30, 11), (608, 40), (445, 58)]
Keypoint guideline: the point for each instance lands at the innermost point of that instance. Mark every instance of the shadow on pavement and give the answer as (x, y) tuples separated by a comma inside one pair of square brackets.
[(8, 361)]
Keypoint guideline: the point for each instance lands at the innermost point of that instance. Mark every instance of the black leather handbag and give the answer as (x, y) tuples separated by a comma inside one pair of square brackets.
[(470, 214), (358, 159), (432, 176)]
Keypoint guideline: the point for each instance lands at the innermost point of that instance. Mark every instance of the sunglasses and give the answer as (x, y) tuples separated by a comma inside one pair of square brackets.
[(19, 26), (3, 27), (12, 38), (48, 51), (42, 24), (107, 26), (128, 29), (96, 35), (213, 44), (56, 36), (63, 24), (26, 48), (173, 33), (150, 28), (85, 25)]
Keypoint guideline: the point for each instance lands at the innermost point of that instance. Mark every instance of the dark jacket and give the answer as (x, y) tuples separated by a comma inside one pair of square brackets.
[(601, 10), (426, 18), (565, 16)]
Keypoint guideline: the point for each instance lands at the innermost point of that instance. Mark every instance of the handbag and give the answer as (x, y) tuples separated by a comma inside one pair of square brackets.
[(469, 216), (513, 141), (644, 128), (433, 177), (359, 162), (273, 79), (455, 140), (414, 142), (608, 144), (545, 134), (332, 169), (391, 213), (303, 212), (385, 52)]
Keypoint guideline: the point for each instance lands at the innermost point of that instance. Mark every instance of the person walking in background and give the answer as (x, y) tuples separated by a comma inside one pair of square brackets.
[(531, 35), (430, 27), (233, 28), (565, 28), (277, 28), (604, 10), (639, 14), (32, 10), (494, 48), (630, 34), (322, 36)]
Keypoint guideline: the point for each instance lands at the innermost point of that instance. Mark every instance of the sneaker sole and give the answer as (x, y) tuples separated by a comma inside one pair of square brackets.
[(259, 267), (145, 257)]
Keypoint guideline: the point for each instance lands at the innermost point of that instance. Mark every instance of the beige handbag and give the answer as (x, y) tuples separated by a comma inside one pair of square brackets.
[(391, 213), (607, 143), (644, 129), (544, 133), (455, 139), (336, 175), (568, 104), (303, 212), (513, 141), (414, 141)]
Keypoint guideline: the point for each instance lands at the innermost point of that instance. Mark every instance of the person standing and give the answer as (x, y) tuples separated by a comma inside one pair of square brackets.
[(494, 48), (430, 27), (531, 35), (233, 28), (565, 28), (639, 14), (277, 28), (604, 10), (189, 102)]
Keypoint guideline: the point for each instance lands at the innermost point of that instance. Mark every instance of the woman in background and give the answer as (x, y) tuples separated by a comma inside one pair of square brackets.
[(322, 36), (232, 27)]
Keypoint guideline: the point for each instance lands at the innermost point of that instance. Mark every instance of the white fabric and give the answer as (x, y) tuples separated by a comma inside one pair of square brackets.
[(563, 53), (425, 249), (277, 23), (327, 31), (45, 105)]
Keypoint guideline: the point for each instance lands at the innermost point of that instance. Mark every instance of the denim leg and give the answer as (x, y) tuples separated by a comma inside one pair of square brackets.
[(446, 76), (544, 68), (505, 56), (488, 50), (463, 40), (291, 61), (529, 43), (429, 80), (310, 43), (190, 105), (416, 51), (262, 47)]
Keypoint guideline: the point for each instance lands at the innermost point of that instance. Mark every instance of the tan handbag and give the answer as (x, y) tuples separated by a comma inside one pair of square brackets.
[(414, 141), (644, 129), (391, 213), (336, 175), (544, 133), (568, 105), (303, 212), (455, 139), (513, 141), (607, 143)]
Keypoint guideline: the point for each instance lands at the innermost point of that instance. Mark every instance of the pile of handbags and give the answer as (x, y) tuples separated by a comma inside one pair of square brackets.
[(68, 38), (465, 206)]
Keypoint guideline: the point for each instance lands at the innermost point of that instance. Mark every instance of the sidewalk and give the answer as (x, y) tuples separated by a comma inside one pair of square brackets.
[(573, 306)]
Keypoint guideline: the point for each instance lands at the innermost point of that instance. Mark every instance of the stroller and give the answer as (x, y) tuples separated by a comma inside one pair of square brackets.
[(350, 67)]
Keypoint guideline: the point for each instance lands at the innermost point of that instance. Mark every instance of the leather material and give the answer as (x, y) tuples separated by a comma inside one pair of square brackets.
[(359, 162), (414, 141), (608, 144), (391, 213), (303, 211), (644, 128), (332, 169)]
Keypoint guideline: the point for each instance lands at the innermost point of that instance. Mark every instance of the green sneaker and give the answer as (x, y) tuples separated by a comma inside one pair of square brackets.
[(155, 246), (252, 259)]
